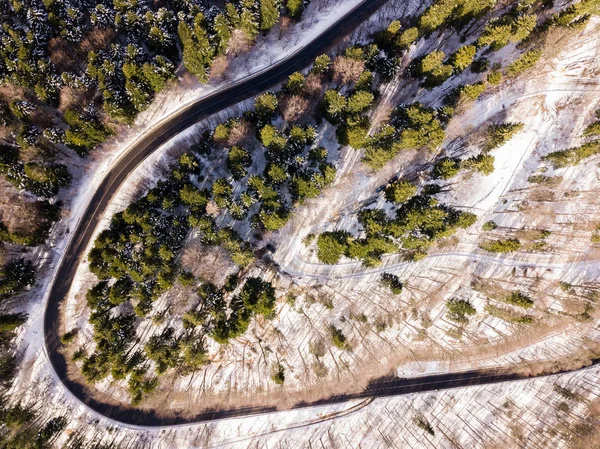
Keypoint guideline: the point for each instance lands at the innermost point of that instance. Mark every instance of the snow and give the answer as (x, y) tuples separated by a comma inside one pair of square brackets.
[(554, 107)]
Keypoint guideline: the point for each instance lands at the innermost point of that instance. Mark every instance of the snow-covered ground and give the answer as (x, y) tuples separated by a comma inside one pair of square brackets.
[(407, 333)]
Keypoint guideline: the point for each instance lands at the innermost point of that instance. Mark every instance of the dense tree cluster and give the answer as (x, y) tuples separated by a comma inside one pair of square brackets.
[(411, 126), (418, 222)]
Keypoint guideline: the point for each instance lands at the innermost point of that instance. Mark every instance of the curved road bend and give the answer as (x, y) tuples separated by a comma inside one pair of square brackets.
[(183, 119), (180, 121)]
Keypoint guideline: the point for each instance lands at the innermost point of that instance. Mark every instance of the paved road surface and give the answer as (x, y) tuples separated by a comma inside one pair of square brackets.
[(180, 121)]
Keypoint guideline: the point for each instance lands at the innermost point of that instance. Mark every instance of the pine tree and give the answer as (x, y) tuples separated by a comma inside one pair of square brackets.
[(222, 33), (269, 13)]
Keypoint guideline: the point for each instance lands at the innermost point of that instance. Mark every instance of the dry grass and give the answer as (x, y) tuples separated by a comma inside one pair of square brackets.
[(293, 107), (240, 42), (347, 70), (218, 69), (209, 263)]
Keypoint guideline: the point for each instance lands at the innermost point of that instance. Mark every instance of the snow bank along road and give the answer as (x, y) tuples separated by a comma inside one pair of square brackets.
[(176, 123)]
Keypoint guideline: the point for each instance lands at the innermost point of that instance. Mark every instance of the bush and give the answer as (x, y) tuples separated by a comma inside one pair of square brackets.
[(489, 226), (446, 168), (68, 337), (338, 338), (494, 78), (519, 299), (501, 246), (392, 282), (459, 310), (508, 315), (278, 375)]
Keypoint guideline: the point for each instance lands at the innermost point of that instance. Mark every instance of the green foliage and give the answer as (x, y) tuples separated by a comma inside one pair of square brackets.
[(501, 246), (445, 12), (278, 375), (470, 92), (256, 297), (446, 168), (11, 321), (593, 129), (400, 191), (519, 299), (509, 28), (334, 106), (68, 337), (295, 83), (459, 310), (483, 163), (392, 282), (489, 226), (269, 13), (406, 38), (431, 61), (238, 161), (412, 126), (359, 102), (508, 315), (265, 107), (500, 133), (494, 78), (84, 132), (164, 350), (463, 57), (331, 246), (197, 50), (573, 156), (321, 64), (295, 8), (338, 338), (15, 276), (524, 62)]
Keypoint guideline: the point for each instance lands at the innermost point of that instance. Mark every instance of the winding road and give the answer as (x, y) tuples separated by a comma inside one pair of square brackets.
[(151, 141)]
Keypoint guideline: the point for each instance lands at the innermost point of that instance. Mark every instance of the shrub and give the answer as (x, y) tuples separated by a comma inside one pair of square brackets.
[(459, 310), (519, 299), (489, 226), (68, 337), (494, 78), (593, 129), (501, 246), (338, 338), (278, 375), (392, 282)]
